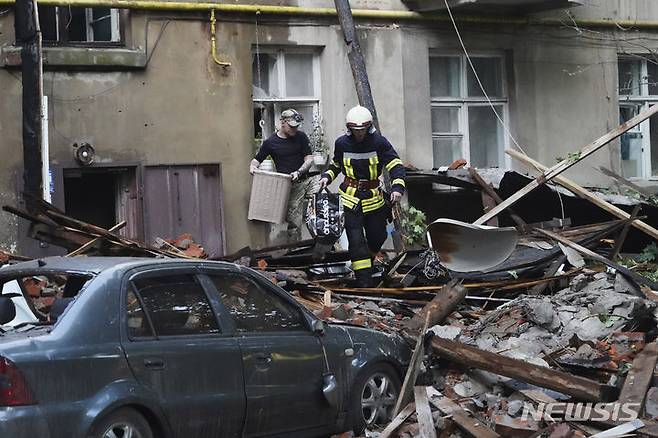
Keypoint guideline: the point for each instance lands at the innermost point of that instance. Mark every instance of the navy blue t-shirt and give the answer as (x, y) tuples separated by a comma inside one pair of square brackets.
[(288, 153)]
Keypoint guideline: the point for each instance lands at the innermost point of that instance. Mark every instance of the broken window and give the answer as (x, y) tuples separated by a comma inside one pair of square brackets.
[(67, 24), (463, 121), (284, 78), (177, 305), (638, 90), (254, 309)]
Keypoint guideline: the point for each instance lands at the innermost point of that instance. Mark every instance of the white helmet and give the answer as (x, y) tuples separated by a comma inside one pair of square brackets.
[(358, 117)]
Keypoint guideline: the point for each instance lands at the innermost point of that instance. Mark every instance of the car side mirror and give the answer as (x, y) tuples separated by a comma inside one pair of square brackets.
[(318, 327), (7, 310)]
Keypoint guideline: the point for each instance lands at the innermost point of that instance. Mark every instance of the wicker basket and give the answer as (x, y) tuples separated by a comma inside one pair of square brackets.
[(269, 197)]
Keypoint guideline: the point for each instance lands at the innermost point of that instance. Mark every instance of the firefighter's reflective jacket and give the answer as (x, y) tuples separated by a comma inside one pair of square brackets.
[(363, 163)]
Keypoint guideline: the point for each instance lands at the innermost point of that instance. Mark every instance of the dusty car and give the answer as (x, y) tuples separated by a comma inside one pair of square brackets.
[(130, 347)]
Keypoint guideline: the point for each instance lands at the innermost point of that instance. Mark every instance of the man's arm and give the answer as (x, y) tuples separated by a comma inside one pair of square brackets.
[(395, 167), (253, 165), (304, 168), (334, 168)]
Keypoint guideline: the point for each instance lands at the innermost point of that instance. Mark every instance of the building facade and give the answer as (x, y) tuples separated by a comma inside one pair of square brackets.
[(173, 129)]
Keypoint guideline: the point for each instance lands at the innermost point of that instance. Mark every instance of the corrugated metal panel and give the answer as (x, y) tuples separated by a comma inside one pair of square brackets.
[(185, 199)]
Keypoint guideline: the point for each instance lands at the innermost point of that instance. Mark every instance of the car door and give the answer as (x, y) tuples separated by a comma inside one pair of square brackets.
[(282, 358), (176, 347)]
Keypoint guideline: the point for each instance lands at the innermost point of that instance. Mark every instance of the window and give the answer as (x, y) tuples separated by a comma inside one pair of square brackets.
[(254, 309), (282, 79), (176, 304), (638, 89), (66, 24), (138, 326), (463, 124)]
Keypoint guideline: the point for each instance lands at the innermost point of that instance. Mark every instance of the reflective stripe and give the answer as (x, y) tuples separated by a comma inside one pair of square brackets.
[(377, 206), (394, 162), (399, 181), (349, 170), (373, 167), (331, 174), (360, 155), (335, 163), (361, 264), (372, 200), (352, 192)]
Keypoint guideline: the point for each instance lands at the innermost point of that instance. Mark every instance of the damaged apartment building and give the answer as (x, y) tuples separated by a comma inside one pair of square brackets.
[(154, 111)]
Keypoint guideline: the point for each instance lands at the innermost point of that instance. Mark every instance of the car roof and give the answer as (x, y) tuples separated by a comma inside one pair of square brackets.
[(96, 265)]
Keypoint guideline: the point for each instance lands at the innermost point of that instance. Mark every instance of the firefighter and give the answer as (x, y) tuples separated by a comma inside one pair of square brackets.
[(361, 155)]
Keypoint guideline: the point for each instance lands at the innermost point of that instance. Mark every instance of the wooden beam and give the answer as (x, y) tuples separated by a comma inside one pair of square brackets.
[(563, 165), (575, 386), (621, 238), (442, 305), (586, 194), (599, 258), (424, 413), (623, 181), (492, 193), (412, 370), (639, 376), (398, 420), (87, 245)]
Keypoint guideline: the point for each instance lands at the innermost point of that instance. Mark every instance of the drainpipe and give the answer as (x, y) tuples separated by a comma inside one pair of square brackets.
[(331, 12)]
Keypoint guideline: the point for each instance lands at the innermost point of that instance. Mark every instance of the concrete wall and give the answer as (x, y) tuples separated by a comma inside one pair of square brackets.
[(182, 108)]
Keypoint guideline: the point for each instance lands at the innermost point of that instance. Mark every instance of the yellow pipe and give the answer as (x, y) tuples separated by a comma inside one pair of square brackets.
[(213, 41), (331, 12)]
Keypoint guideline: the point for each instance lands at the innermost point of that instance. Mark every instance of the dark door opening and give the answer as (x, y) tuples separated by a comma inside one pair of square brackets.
[(103, 197)]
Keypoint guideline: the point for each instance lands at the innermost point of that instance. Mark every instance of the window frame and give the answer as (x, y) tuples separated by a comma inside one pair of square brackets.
[(116, 30), (465, 102), (128, 286), (643, 101), (281, 103)]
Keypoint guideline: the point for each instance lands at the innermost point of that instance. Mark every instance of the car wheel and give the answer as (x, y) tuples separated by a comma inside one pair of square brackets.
[(122, 423), (375, 392)]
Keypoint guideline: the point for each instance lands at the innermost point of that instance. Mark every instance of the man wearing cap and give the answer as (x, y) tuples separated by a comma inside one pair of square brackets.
[(289, 148), (362, 154)]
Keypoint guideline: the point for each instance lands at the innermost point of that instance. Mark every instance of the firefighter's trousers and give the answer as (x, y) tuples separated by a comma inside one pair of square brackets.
[(362, 247)]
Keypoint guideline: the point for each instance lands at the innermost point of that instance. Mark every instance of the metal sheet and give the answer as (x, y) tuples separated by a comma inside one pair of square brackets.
[(463, 247), (185, 199)]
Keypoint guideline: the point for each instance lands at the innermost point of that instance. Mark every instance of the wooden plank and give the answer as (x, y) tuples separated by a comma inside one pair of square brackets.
[(488, 203), (492, 193), (460, 416), (424, 413), (586, 194), (87, 245), (594, 256), (563, 165), (639, 376), (575, 386), (398, 420), (412, 370)]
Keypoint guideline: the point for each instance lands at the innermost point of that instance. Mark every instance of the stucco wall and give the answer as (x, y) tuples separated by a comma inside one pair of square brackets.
[(182, 108)]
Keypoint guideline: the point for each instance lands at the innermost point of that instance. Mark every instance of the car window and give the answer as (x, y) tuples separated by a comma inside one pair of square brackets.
[(177, 305), (253, 308)]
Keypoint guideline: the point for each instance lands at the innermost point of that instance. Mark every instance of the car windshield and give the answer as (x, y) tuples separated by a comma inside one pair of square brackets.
[(42, 298)]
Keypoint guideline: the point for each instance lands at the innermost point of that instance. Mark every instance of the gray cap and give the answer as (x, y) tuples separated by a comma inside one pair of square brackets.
[(292, 117)]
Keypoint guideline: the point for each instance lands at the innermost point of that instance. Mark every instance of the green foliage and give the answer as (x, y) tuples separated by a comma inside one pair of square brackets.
[(649, 254), (414, 226)]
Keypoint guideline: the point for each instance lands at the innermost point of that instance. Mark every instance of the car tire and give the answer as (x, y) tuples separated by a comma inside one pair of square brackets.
[(120, 423), (373, 399)]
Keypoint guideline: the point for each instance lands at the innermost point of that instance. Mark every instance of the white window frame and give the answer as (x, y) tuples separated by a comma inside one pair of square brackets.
[(464, 102), (281, 103), (644, 101), (89, 28)]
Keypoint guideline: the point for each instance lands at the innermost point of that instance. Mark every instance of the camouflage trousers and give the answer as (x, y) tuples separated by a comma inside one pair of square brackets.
[(299, 194)]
